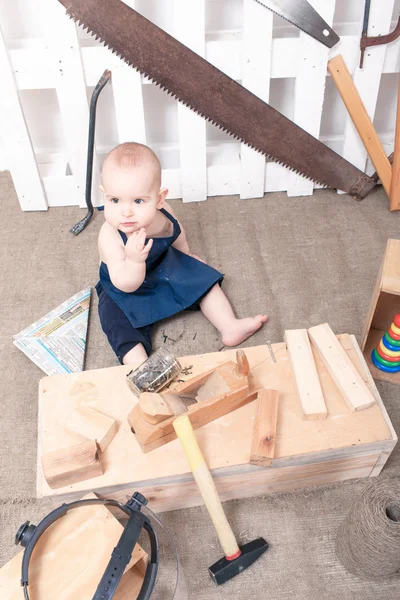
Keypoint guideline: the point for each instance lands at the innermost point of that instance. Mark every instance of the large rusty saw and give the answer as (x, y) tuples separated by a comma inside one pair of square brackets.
[(215, 96)]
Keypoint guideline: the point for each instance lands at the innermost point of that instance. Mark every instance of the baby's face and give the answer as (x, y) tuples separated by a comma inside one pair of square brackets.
[(131, 197)]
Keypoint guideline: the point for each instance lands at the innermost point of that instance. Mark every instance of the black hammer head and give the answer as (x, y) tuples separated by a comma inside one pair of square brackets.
[(224, 569)]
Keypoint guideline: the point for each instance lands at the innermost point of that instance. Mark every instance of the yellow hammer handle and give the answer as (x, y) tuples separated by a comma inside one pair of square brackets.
[(205, 483)]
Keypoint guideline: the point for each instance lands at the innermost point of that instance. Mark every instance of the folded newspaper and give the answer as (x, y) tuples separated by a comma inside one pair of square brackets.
[(57, 342)]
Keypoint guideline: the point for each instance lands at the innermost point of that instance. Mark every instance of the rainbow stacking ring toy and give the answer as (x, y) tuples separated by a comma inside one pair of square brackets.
[(386, 355)]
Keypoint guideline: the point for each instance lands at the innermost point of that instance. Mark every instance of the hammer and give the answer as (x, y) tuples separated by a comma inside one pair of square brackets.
[(236, 558)]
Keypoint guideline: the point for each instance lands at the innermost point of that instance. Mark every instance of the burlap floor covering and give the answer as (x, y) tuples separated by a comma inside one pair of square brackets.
[(303, 261)]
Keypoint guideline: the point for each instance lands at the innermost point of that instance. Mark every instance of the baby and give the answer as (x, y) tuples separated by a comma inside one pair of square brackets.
[(147, 272)]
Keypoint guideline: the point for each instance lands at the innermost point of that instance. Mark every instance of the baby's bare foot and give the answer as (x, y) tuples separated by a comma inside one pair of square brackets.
[(242, 329)]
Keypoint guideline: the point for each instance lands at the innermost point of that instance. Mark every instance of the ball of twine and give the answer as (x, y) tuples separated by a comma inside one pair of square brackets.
[(368, 541)]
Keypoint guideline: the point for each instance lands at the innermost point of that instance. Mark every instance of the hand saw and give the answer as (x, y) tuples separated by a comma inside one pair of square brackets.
[(301, 14), (212, 94)]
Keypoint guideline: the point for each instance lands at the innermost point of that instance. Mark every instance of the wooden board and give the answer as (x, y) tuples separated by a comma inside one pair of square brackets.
[(305, 373), (342, 446), (264, 432), (92, 425), (351, 385), (352, 100), (72, 464), (70, 558)]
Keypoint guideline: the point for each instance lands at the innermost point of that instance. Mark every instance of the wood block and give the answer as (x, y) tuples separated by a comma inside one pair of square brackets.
[(72, 464), (92, 425), (264, 432), (155, 409), (305, 374), (352, 100), (84, 536), (351, 385), (175, 403), (214, 386)]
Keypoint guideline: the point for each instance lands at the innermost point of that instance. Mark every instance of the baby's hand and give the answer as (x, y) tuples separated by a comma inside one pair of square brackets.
[(135, 249)]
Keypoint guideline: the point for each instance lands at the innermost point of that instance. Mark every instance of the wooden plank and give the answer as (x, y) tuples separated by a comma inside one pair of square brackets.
[(92, 425), (192, 127), (21, 159), (70, 86), (367, 80), (311, 75), (72, 464), (226, 441), (351, 385), (352, 100), (305, 374), (264, 433), (395, 183), (256, 60), (85, 536)]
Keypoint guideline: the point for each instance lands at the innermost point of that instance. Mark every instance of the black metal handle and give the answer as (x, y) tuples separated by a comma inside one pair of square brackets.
[(80, 226)]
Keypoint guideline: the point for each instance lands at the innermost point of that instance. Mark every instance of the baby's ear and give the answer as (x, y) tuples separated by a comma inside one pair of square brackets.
[(162, 194), (101, 188)]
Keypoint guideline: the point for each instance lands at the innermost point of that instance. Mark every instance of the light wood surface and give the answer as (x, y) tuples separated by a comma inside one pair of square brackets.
[(90, 424), (154, 408), (225, 442), (352, 100), (205, 483), (264, 432), (351, 385), (70, 558), (395, 183), (305, 374), (72, 464)]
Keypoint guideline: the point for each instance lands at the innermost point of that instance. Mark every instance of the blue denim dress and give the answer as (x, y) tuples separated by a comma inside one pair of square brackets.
[(174, 282)]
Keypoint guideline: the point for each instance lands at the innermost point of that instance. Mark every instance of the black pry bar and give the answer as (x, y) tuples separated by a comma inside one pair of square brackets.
[(80, 226), (364, 30)]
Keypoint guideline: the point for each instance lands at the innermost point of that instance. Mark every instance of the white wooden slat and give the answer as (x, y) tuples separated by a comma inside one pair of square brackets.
[(18, 147), (257, 44), (310, 90), (192, 127), (171, 179), (392, 58), (72, 97), (367, 80), (226, 55), (276, 177), (128, 99)]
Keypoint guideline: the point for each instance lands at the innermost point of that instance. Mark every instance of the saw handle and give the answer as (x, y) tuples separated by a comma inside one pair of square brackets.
[(206, 485)]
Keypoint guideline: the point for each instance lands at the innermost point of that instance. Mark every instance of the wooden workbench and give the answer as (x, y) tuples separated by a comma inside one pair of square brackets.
[(346, 445)]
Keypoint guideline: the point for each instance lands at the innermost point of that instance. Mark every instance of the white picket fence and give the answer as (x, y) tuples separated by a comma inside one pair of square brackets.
[(48, 68)]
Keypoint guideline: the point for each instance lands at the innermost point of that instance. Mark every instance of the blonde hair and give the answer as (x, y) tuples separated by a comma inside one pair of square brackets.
[(133, 155)]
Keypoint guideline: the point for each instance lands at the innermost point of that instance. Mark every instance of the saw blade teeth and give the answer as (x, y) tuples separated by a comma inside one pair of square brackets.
[(71, 13), (282, 17)]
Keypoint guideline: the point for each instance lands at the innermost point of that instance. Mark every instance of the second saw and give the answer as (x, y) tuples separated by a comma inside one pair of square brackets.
[(204, 398)]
